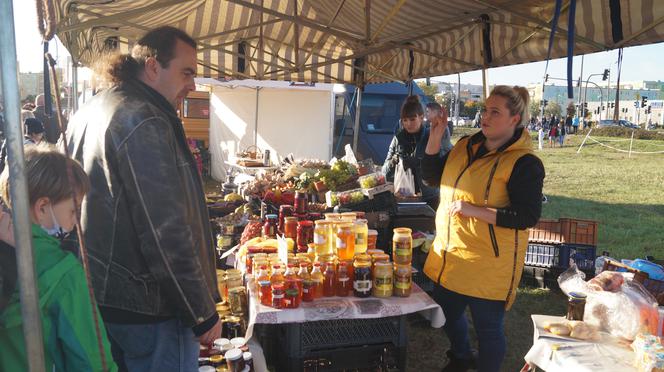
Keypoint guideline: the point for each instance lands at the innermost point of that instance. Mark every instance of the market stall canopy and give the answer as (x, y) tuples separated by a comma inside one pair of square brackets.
[(334, 40)]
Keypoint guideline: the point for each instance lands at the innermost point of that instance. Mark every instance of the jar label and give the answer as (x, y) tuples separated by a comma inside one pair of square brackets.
[(277, 296), (403, 252), (362, 285), (264, 283), (402, 282), (383, 284), (319, 239), (341, 243), (360, 239), (343, 280), (292, 292)]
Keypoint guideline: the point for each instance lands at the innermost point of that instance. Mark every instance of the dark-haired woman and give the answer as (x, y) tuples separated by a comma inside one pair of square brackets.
[(409, 144)]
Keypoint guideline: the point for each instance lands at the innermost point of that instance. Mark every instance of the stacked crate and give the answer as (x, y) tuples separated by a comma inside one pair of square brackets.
[(554, 245)]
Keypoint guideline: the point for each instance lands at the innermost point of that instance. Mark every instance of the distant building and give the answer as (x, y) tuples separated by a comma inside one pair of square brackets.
[(32, 83)]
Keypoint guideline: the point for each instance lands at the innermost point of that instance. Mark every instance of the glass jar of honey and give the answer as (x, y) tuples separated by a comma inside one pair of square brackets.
[(383, 275), (345, 241), (322, 237), (402, 246), (403, 280)]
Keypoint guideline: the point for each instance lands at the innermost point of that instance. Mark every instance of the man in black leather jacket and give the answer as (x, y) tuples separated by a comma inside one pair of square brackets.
[(145, 221)]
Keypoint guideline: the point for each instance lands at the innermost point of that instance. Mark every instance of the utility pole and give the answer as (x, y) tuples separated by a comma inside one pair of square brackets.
[(579, 95)]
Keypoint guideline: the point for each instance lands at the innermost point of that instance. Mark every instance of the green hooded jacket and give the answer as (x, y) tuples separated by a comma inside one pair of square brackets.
[(70, 341)]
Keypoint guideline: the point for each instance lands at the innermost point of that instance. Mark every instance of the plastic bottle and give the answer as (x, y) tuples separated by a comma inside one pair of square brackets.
[(264, 287), (599, 262), (302, 275), (317, 278), (329, 281), (292, 297)]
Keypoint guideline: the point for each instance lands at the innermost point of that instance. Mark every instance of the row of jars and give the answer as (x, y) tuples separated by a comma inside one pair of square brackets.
[(343, 234)]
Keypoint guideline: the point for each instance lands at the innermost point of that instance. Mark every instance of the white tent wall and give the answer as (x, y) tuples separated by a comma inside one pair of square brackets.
[(290, 120)]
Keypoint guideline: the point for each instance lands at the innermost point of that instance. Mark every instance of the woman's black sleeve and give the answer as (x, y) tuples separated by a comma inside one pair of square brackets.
[(432, 169), (388, 164), (525, 192)]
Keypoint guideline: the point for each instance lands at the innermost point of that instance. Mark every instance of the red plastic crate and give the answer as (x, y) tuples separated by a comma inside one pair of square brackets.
[(565, 231)]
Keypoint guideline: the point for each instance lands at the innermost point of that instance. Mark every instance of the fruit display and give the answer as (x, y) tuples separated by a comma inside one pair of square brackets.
[(340, 173), (372, 180), (233, 197), (344, 197), (252, 230)]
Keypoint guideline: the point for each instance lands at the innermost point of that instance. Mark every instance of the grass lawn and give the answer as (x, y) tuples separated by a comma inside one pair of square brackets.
[(626, 196)]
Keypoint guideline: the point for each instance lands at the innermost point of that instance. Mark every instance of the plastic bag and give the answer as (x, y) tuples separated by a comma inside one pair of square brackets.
[(626, 312), (350, 155), (404, 182)]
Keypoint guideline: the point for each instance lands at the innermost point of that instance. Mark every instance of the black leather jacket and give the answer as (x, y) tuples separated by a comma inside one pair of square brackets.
[(145, 221)]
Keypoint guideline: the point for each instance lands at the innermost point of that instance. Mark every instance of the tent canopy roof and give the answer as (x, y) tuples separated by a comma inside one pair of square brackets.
[(335, 40)]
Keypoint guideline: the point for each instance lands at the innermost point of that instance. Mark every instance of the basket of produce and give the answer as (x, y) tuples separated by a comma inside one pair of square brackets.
[(372, 180), (334, 198), (250, 157)]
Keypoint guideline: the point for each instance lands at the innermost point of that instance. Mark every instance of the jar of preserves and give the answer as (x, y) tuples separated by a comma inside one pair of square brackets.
[(301, 202), (231, 327), (235, 360), (270, 226), (383, 275), (284, 211), (576, 306), (248, 262), (292, 297), (381, 257), (345, 241), (372, 238), (278, 293), (334, 217), (233, 280), (290, 227), (264, 286), (317, 278), (344, 282), (348, 216), (329, 280), (361, 233), (237, 300), (305, 235), (322, 233), (402, 246), (362, 282), (403, 280)]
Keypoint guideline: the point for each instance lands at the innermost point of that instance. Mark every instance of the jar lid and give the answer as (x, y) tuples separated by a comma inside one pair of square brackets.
[(344, 225), (324, 222), (247, 356), (373, 232), (285, 206), (216, 358), (402, 230), (233, 354), (361, 221), (271, 216), (383, 264), (305, 223), (577, 295), (206, 369), (238, 341), (363, 257), (221, 342)]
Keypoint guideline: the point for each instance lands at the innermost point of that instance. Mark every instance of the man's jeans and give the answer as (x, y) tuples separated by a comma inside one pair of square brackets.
[(488, 318), (158, 347)]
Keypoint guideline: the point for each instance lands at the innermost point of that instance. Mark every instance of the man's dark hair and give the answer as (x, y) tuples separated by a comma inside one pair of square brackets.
[(158, 43)]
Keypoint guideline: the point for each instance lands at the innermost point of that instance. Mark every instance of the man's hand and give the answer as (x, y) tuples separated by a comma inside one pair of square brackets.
[(214, 333), (7, 229)]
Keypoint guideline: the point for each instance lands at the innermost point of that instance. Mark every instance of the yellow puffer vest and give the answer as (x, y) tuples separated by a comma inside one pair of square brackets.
[(469, 256)]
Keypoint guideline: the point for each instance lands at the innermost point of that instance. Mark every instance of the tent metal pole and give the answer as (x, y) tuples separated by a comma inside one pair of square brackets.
[(358, 107), (256, 118), (456, 110), (74, 88), (28, 293), (484, 84)]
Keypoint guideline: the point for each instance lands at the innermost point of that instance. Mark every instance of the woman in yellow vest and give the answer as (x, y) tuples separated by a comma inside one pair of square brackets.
[(490, 194)]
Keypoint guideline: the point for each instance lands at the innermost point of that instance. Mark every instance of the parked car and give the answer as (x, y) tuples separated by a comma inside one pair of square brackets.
[(619, 123)]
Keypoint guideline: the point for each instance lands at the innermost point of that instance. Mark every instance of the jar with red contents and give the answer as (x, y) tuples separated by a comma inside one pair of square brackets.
[(290, 227), (251, 252), (305, 235), (270, 226), (284, 211), (301, 202)]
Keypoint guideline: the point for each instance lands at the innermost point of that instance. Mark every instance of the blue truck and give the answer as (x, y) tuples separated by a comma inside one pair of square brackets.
[(379, 118)]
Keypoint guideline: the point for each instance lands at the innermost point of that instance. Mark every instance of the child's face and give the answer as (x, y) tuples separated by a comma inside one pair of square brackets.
[(64, 213)]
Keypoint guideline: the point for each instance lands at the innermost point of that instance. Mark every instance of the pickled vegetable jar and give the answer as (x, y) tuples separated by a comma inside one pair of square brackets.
[(402, 246)]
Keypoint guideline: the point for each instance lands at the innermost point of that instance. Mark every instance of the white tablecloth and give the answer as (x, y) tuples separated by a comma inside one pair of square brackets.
[(331, 308), (608, 355)]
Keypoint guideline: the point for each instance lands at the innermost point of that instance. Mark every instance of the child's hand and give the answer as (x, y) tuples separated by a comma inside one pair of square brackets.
[(6, 228)]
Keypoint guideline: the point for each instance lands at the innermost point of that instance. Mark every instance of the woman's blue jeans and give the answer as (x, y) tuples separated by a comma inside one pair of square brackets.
[(488, 316)]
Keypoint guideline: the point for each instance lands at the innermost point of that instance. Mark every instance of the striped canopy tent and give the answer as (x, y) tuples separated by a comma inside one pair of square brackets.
[(359, 41)]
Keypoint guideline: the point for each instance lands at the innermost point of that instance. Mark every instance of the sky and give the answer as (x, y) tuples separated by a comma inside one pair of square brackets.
[(639, 63)]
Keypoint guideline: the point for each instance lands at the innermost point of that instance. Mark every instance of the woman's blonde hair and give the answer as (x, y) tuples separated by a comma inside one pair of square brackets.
[(46, 173), (517, 101)]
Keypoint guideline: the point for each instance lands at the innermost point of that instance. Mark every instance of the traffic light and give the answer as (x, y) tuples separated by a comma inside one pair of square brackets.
[(585, 105), (605, 75), (545, 102), (649, 110), (636, 104), (612, 104), (644, 101)]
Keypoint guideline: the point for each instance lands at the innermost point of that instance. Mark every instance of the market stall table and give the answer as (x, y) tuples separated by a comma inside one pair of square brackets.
[(250, 170), (561, 354), (340, 312)]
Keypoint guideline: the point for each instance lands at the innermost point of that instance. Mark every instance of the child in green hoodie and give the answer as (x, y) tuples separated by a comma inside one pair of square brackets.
[(68, 327)]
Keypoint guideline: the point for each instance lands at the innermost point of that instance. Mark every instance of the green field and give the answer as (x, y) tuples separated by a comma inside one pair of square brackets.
[(626, 196)]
